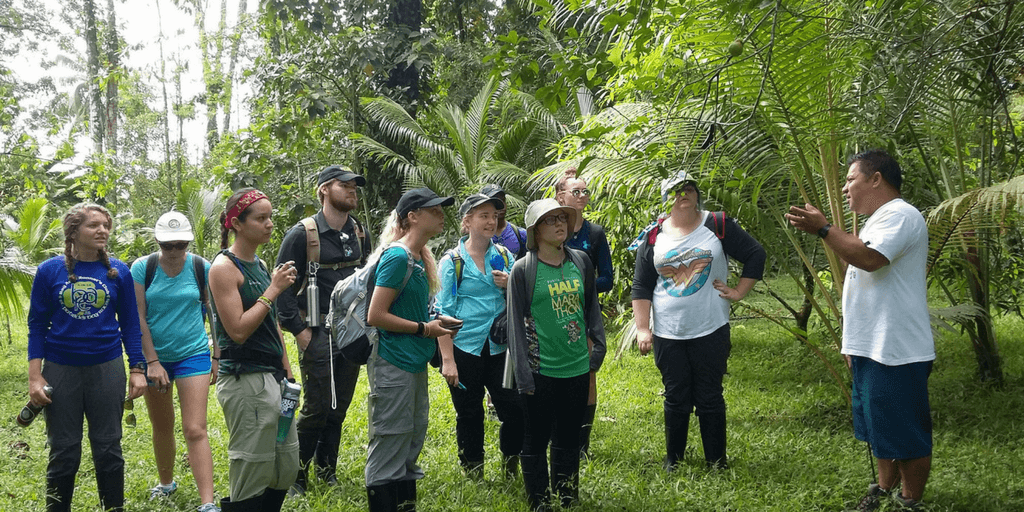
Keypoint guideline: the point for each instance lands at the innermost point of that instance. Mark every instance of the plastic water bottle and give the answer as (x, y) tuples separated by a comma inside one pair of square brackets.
[(289, 401), (30, 411)]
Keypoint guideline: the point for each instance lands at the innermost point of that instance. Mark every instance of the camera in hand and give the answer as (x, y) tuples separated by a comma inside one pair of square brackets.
[(30, 411)]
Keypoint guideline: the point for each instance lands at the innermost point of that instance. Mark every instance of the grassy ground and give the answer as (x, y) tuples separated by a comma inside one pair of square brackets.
[(790, 441)]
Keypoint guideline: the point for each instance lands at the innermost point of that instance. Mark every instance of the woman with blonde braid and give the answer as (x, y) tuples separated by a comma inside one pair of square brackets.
[(253, 360), (82, 313), (399, 402)]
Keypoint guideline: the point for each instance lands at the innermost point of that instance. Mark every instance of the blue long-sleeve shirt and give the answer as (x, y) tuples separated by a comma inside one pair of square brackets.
[(592, 240), (86, 322)]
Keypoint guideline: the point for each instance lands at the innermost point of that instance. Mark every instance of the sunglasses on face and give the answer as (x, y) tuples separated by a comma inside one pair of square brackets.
[(551, 220), (688, 189), (580, 192), (173, 246)]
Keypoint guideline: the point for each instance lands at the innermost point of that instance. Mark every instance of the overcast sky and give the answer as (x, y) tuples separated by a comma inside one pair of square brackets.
[(138, 25)]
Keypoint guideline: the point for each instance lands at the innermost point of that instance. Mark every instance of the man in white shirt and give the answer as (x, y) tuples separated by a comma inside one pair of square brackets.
[(887, 338)]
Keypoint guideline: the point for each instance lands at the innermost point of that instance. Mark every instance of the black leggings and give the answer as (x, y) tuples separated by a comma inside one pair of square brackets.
[(692, 371)]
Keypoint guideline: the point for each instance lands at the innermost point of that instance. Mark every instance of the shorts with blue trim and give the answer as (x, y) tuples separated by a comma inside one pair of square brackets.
[(891, 409), (199, 364)]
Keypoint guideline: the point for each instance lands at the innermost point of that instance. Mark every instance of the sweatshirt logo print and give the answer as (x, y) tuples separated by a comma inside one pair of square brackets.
[(84, 299), (684, 274)]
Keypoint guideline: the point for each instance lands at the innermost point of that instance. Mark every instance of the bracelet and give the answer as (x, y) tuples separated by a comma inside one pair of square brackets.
[(215, 358), (420, 328), (153, 361), (266, 302), (138, 371)]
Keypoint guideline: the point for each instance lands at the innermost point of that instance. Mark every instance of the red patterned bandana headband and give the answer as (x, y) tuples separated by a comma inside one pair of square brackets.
[(244, 202)]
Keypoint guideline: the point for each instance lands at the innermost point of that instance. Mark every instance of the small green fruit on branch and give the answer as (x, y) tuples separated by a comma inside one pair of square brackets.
[(736, 48)]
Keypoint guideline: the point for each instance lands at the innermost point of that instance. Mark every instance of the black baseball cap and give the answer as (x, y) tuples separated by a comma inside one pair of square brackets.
[(493, 190), (340, 173), (420, 198), (478, 199)]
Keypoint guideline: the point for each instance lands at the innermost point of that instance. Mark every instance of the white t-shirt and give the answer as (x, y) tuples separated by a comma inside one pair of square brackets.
[(685, 304), (885, 312)]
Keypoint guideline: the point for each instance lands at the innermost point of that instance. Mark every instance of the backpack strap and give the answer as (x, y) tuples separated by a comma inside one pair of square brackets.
[(151, 262), (199, 268), (410, 263), (312, 239), (504, 252), (522, 242), (361, 235), (460, 266), (716, 223)]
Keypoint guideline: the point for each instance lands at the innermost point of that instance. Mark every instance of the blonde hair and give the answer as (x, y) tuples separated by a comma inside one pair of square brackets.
[(73, 219), (395, 229)]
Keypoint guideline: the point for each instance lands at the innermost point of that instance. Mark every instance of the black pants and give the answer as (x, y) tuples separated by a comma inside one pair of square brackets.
[(692, 372), (319, 425), (554, 412), (477, 373)]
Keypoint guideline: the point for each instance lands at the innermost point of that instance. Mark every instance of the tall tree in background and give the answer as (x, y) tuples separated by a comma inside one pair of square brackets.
[(113, 75), (405, 20), (96, 124)]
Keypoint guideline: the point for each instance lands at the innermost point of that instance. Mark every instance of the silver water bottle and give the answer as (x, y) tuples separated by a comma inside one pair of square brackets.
[(313, 297)]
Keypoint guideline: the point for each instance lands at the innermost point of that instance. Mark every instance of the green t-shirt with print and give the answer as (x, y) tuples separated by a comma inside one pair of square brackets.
[(557, 311)]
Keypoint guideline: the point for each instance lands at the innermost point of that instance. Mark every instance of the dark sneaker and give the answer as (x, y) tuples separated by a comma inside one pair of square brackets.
[(907, 503), (871, 501)]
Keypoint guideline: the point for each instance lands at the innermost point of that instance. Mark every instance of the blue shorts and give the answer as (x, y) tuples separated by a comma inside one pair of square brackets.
[(189, 367), (890, 408)]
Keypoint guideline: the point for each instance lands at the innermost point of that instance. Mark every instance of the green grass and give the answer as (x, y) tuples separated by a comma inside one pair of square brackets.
[(790, 441)]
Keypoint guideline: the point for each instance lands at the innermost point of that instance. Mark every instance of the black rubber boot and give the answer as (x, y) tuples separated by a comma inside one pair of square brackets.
[(110, 485), (250, 505), (383, 497), (307, 448), (535, 479), (511, 467), (273, 499), (677, 427), (406, 495), (588, 427), (712, 435), (565, 476), (59, 492), (327, 454), (474, 469)]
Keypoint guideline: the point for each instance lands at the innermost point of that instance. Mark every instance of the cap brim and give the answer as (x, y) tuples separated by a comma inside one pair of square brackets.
[(438, 201), (174, 237), (360, 180)]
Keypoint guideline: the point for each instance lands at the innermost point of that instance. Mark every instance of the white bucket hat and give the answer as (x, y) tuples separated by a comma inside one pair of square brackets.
[(538, 210), (173, 227), (673, 182)]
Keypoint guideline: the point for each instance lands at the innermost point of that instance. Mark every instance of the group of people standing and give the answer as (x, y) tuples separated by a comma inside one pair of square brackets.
[(511, 311)]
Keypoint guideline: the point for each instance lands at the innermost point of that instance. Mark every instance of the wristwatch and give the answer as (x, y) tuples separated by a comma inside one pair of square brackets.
[(823, 231), (139, 366)]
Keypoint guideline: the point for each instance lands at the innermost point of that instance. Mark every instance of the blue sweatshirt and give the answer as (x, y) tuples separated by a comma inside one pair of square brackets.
[(86, 322)]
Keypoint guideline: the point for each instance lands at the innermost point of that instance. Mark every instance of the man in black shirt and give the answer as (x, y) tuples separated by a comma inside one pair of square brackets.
[(328, 379)]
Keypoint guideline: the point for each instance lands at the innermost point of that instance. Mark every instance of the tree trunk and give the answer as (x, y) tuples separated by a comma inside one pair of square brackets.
[(407, 14), (93, 60), (983, 336), (113, 73), (229, 79), (163, 87)]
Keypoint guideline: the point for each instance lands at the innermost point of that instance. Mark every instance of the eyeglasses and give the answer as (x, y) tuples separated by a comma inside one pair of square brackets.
[(580, 192), (176, 246), (130, 420), (551, 220), (688, 189)]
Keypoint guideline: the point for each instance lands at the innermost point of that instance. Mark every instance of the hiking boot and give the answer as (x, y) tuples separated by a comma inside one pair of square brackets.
[(208, 507), (907, 503), (871, 501), (163, 491)]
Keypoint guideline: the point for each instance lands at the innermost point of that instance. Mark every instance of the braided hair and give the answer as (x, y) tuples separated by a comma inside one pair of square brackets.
[(232, 201), (72, 221)]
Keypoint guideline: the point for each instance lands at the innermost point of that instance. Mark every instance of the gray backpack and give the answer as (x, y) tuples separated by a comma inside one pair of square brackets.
[(349, 300)]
